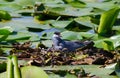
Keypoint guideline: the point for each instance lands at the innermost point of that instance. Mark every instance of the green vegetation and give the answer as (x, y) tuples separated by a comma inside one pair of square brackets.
[(35, 21), (12, 68), (13, 71), (4, 15), (107, 20)]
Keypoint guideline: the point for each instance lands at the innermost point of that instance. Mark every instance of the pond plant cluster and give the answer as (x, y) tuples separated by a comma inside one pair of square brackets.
[(26, 28)]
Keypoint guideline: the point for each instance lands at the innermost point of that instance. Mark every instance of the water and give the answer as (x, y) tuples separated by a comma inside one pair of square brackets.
[(26, 20)]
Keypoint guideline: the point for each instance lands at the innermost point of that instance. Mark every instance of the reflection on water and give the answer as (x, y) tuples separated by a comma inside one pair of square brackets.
[(30, 19), (24, 18), (46, 31)]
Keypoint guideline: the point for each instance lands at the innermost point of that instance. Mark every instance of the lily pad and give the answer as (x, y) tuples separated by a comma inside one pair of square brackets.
[(70, 35), (89, 36), (116, 40), (22, 24), (85, 21), (99, 44), (2, 67), (101, 72), (47, 43), (33, 72), (4, 15), (29, 72), (61, 24), (6, 30), (69, 11), (101, 5), (117, 69), (23, 36), (10, 7)]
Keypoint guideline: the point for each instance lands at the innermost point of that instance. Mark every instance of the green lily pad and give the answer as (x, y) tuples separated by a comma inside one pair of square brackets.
[(23, 36), (33, 72), (61, 24), (47, 43), (117, 69), (9, 0), (32, 2), (10, 7), (116, 40), (108, 45), (117, 28), (101, 5), (70, 35), (69, 11), (4, 15), (47, 35), (92, 69), (6, 30), (85, 21), (29, 72), (98, 43), (3, 75), (77, 27), (97, 11), (87, 35), (2, 66), (22, 24)]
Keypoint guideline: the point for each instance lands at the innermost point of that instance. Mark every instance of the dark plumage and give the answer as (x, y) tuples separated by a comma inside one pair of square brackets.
[(60, 44)]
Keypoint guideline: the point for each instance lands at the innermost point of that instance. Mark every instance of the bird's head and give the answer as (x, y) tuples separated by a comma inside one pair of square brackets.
[(57, 34)]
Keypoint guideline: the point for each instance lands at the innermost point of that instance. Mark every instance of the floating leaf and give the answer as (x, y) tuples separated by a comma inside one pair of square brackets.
[(72, 11), (6, 30), (18, 36), (61, 24), (38, 28), (98, 43), (87, 35), (9, 0), (23, 36), (47, 35), (3, 75), (117, 68), (2, 67), (108, 45), (69, 35), (47, 43), (101, 5), (70, 76), (54, 75), (33, 72), (4, 15), (78, 4), (101, 72), (81, 24), (85, 21), (22, 24), (3, 37), (116, 40)]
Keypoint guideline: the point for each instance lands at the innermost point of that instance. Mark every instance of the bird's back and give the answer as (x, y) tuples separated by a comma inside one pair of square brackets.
[(60, 44), (72, 46)]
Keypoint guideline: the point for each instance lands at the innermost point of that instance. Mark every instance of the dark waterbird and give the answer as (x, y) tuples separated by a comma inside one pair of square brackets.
[(69, 46)]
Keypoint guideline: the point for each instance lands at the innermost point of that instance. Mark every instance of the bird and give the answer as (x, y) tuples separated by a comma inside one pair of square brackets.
[(61, 45)]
